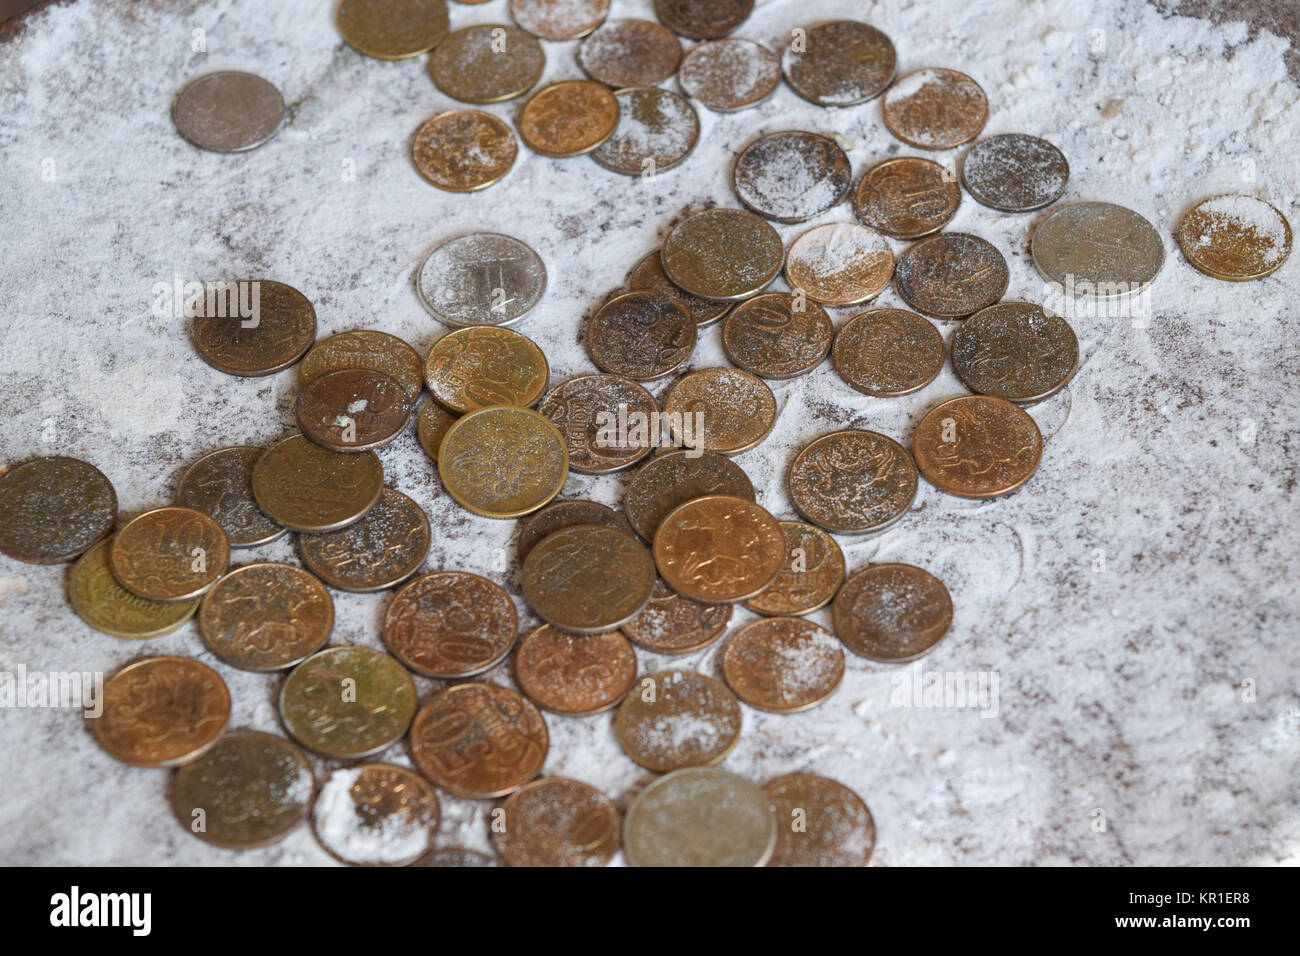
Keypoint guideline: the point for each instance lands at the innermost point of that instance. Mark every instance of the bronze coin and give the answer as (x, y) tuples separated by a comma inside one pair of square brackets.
[(812, 573), (672, 624), (485, 365), (463, 151), (392, 29), (266, 617), (676, 719), (668, 480), (431, 427), (626, 53), (703, 19), (791, 176), (348, 702), (109, 608), (1016, 351), (558, 822), (977, 446), (568, 118), (559, 19), (608, 422), (380, 551), (253, 327), (648, 276), (53, 509), (951, 275), (1015, 173), (503, 462), (772, 337), (1236, 238), (719, 548), (376, 814), (451, 624), (562, 514), (487, 63), (839, 263), (309, 488), (353, 409), (891, 613), (907, 197), (819, 822), (887, 352), (657, 129), (169, 555), (365, 348), (220, 484), (731, 74), (479, 741), (720, 409), (722, 254), (162, 712), (840, 63), (852, 482), (783, 664), (575, 675), (641, 336), (588, 578), (935, 109)]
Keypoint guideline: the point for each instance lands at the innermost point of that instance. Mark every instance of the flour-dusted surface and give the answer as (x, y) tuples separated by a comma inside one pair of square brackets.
[(1120, 600)]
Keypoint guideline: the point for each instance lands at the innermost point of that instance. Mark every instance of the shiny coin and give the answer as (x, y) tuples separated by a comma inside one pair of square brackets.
[(364, 348), (451, 624), (169, 554), (783, 664), (1016, 351), (376, 814), (483, 366), (672, 624), (463, 151), (886, 352), (771, 336), (568, 118), (891, 613), (479, 741), (1097, 250), (503, 462), (162, 712), (250, 790), (812, 573), (353, 409), (839, 263), (257, 328), (431, 427), (722, 254), (719, 548), (220, 484), (608, 422), (731, 74), (977, 446), (309, 488), (907, 197), (819, 822), (720, 409), (348, 702), (481, 278), (840, 63), (575, 675), (380, 551), (559, 19), (791, 176), (630, 53), (1235, 238), (457, 857), (1015, 173), (641, 336), (676, 719), (53, 509), (588, 578), (487, 63), (562, 514), (657, 129), (228, 111), (700, 816), (111, 609), (392, 29), (935, 109), (852, 482), (951, 275), (703, 19), (558, 822), (648, 276), (669, 480), (265, 617)]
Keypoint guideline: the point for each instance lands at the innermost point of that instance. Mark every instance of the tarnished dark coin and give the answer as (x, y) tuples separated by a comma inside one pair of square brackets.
[(672, 624), (676, 719), (783, 664), (720, 409), (220, 484), (648, 276), (392, 29), (641, 336), (839, 63), (1014, 172), (703, 19), (556, 821), (575, 674), (431, 427), (562, 514), (791, 176), (458, 857), (365, 348), (891, 613), (722, 254), (699, 816), (380, 551), (886, 352), (487, 63), (503, 462), (568, 118), (162, 712), (852, 481), (463, 151), (109, 608), (812, 573), (731, 74), (669, 480), (907, 197), (228, 111), (935, 109), (559, 19), (53, 509), (376, 814), (1235, 238), (772, 337), (839, 263), (1015, 350), (1097, 250), (657, 129), (588, 578), (254, 327), (951, 275), (977, 446), (481, 278), (626, 53), (485, 365), (348, 702), (719, 548), (819, 822), (309, 488), (266, 617), (169, 554), (608, 422), (353, 409), (451, 624)]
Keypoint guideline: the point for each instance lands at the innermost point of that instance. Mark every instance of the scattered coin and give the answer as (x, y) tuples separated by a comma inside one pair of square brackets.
[(819, 822), (348, 702), (559, 19), (568, 118), (353, 409), (1015, 173), (852, 482), (53, 509), (722, 254), (641, 336), (657, 129), (256, 328), (309, 488), (431, 427), (380, 551), (485, 365), (977, 446), (463, 151), (556, 821), (451, 624), (608, 422), (783, 664), (703, 19), (699, 816), (676, 719), (169, 554), (791, 176), (812, 573), (1235, 238), (648, 276), (588, 578), (839, 263), (891, 613), (457, 857), (1097, 250), (487, 63), (626, 53), (503, 462), (481, 278), (672, 624), (840, 63), (668, 480), (575, 675), (266, 617), (907, 197), (111, 609), (772, 337), (935, 109), (392, 29), (720, 409), (562, 514), (365, 348), (719, 548), (162, 712), (220, 484), (887, 352), (228, 111), (951, 275), (376, 814), (731, 74), (1015, 350)]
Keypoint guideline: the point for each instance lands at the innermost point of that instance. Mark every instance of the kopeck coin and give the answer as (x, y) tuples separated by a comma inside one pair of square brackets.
[(839, 63), (719, 548), (392, 29), (309, 488), (720, 409), (353, 409), (907, 197), (891, 613), (53, 509), (559, 19), (255, 328), (575, 674), (1235, 238), (935, 109), (376, 814), (648, 276), (380, 551), (977, 446), (839, 263), (703, 19), (819, 822), (656, 130), (672, 624), (630, 53), (852, 481), (169, 554), (111, 609), (669, 480), (722, 254), (568, 118), (1097, 250), (162, 712), (487, 63), (365, 348), (458, 857), (1015, 350), (503, 462), (951, 275), (482, 366), (348, 702), (791, 176), (562, 514), (220, 484), (451, 624), (431, 427), (783, 664), (588, 578), (481, 278), (556, 821), (463, 151), (772, 337), (228, 111), (1015, 173), (812, 573), (266, 617), (886, 352), (641, 336), (676, 719), (608, 422), (699, 816), (730, 74)]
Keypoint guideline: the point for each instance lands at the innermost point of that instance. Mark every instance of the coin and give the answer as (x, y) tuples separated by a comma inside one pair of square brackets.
[(254, 327), (812, 573), (951, 275), (791, 176), (376, 814), (559, 19), (463, 151), (455, 856), (220, 484), (588, 578), (935, 109), (348, 702), (720, 409), (483, 366), (266, 617), (109, 608), (503, 462), (451, 624), (669, 480), (772, 337), (719, 548), (648, 276), (568, 118), (672, 624), (886, 352), (839, 263), (977, 446), (53, 509), (783, 664), (731, 74), (1015, 173), (481, 278), (608, 422), (676, 719), (479, 741), (228, 111), (852, 482), (703, 19), (365, 348), (722, 254), (353, 409), (169, 554), (562, 514), (487, 63), (656, 130), (891, 613), (575, 675), (819, 822), (699, 816), (1097, 250), (556, 821), (1235, 238), (380, 551), (392, 29), (840, 63), (431, 427), (1015, 350), (249, 790), (641, 335), (907, 197), (630, 53), (309, 488), (162, 712)]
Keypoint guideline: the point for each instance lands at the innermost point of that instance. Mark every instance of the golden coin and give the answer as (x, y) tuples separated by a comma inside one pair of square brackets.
[(568, 118), (575, 675), (1097, 250), (348, 702), (503, 462), (588, 578), (365, 348), (559, 19), (839, 263), (392, 29), (672, 624), (783, 664), (812, 573), (376, 814), (309, 488), (703, 19), (935, 109), (266, 617), (431, 427), (676, 719), (886, 352), (951, 275), (648, 276), (484, 366), (657, 129), (907, 197), (562, 514), (669, 480), (839, 63), (254, 327), (558, 822), (487, 63), (381, 550), (730, 74), (220, 484), (723, 254), (109, 608), (891, 613), (1015, 173), (1235, 238), (53, 509), (720, 409), (977, 446), (162, 712), (819, 822), (353, 410), (169, 555), (852, 482), (463, 151), (1015, 350), (626, 53), (451, 624), (608, 422), (777, 336), (719, 548), (641, 336), (791, 176), (699, 816)]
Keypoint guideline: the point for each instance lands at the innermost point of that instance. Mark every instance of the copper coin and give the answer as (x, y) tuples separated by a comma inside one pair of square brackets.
[(891, 613), (365, 348), (657, 129), (380, 551), (463, 151), (162, 712), (53, 509), (839, 263), (503, 462), (672, 624), (559, 19), (169, 554), (731, 74), (266, 617), (783, 664), (812, 573), (253, 327), (630, 53), (703, 19), (1235, 238), (840, 63), (608, 422), (348, 702), (109, 608), (575, 675), (556, 821), (641, 336), (309, 488), (887, 352), (720, 409), (1016, 351), (951, 275), (392, 29), (907, 197), (353, 409), (228, 111), (479, 741), (485, 365), (852, 482), (773, 337), (676, 719), (481, 278), (935, 109), (819, 822), (588, 578), (722, 254), (431, 427), (699, 816), (977, 446), (719, 548), (791, 176), (568, 118), (1015, 173), (376, 814), (562, 514), (669, 480), (487, 63), (451, 624), (220, 484), (1097, 250), (648, 276)]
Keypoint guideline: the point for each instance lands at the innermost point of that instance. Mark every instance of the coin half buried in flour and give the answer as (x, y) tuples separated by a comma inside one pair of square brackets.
[(220, 484), (309, 488), (840, 63), (487, 63), (676, 719), (731, 74), (791, 176), (977, 446), (819, 822), (657, 129), (641, 336), (431, 427), (451, 624), (503, 462), (625, 53), (1015, 350), (353, 410), (575, 674), (266, 617), (1097, 250), (648, 276), (568, 118), (463, 151), (588, 578), (53, 509), (672, 624), (169, 554), (839, 263), (483, 366), (1015, 173), (812, 573), (772, 337), (891, 613), (906, 197), (562, 514), (256, 328), (951, 275), (162, 712), (853, 482), (703, 19), (719, 548), (348, 702), (392, 29), (723, 254), (481, 278), (608, 422), (380, 551), (556, 821), (783, 664), (724, 410), (365, 348), (700, 816), (935, 109), (1235, 238), (376, 814), (228, 111), (888, 352), (109, 608), (559, 19), (673, 478)]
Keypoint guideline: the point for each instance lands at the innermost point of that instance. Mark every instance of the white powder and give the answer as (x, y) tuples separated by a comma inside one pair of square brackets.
[(373, 838)]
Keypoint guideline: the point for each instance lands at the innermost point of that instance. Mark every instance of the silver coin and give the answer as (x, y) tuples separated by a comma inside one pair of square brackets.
[(1097, 250), (220, 484), (791, 176), (228, 111), (700, 816), (1015, 173), (657, 129), (729, 74), (482, 278)]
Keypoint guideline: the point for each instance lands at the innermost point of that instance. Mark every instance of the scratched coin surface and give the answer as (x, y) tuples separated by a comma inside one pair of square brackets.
[(671, 479), (608, 422), (703, 19), (481, 278), (266, 617), (951, 275), (250, 790), (575, 674), (626, 53), (641, 336), (783, 664), (451, 624), (559, 19), (353, 409), (568, 118), (380, 551), (482, 366), (1015, 173), (463, 151), (839, 263), (891, 613), (676, 719), (1015, 350), (53, 509), (487, 63), (309, 488), (431, 427), (887, 352), (1235, 238), (770, 336), (162, 712), (479, 741), (672, 624), (220, 484), (699, 816), (109, 608), (726, 410), (169, 554), (819, 822), (722, 254), (791, 176), (588, 578), (392, 29), (648, 276), (657, 129), (935, 109), (347, 702), (503, 462), (556, 821), (228, 111), (719, 548), (729, 74), (1097, 250), (255, 328), (562, 514), (376, 814), (812, 573), (365, 348), (852, 481), (840, 63), (906, 197), (977, 446)]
